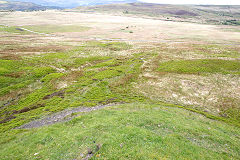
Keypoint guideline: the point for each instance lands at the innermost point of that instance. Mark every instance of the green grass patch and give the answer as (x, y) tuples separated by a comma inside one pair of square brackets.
[(51, 76), (9, 66), (109, 63), (42, 71), (56, 28), (112, 46), (115, 46), (8, 89), (200, 66), (133, 131), (91, 59), (13, 29), (109, 73)]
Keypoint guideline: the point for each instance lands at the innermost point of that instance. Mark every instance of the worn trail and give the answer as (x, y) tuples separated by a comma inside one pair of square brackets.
[(63, 116)]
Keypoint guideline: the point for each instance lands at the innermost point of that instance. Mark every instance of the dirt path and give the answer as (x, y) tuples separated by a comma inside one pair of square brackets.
[(63, 116), (45, 34)]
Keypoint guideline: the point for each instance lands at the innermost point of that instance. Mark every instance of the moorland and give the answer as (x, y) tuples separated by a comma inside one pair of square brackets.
[(76, 84)]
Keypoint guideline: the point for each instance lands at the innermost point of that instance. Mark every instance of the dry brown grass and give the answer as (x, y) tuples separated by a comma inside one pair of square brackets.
[(9, 56), (204, 92), (19, 49), (109, 26), (72, 76), (122, 81), (193, 90)]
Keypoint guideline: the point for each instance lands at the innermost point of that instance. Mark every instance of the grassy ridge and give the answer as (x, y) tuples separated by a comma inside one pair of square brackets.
[(208, 14)]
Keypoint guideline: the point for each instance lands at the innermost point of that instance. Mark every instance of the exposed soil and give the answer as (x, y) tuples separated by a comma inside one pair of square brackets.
[(9, 118), (63, 116), (59, 94), (14, 112), (91, 152)]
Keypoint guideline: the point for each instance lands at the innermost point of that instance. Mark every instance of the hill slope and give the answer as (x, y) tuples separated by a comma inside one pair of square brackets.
[(167, 93), (191, 13), (146, 132), (22, 6), (75, 3)]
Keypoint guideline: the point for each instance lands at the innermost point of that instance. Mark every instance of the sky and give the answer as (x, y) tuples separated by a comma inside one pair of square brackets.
[(216, 2)]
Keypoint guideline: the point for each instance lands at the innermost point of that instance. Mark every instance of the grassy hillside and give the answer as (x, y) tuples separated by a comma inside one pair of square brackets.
[(98, 77), (228, 15), (132, 131), (63, 97)]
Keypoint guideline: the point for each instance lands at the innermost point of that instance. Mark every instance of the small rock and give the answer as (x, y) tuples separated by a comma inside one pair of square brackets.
[(36, 154)]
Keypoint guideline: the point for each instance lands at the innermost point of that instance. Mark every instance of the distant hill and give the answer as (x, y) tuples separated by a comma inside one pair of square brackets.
[(75, 3), (210, 14), (22, 6)]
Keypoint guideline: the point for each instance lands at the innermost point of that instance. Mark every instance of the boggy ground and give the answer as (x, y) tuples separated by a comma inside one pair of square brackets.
[(162, 81)]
